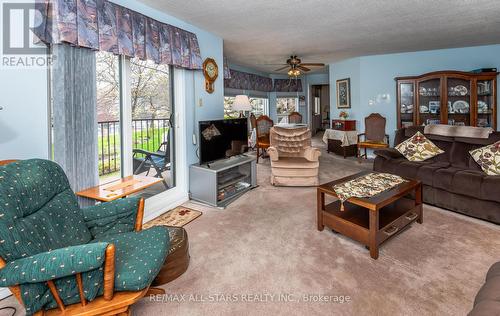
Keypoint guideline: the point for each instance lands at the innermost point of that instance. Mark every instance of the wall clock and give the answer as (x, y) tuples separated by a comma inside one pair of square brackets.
[(211, 72)]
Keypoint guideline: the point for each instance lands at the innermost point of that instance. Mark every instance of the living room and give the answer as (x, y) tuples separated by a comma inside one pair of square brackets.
[(260, 158)]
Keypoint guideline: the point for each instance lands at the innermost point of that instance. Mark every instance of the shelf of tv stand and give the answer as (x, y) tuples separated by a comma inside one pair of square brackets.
[(204, 179), (232, 181)]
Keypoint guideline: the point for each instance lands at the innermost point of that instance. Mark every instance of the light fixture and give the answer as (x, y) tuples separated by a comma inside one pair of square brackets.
[(242, 103), (293, 72)]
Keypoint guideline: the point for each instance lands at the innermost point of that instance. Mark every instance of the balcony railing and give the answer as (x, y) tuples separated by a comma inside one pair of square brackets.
[(147, 134)]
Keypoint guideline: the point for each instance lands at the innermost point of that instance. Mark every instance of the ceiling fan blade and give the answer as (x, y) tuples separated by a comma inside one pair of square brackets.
[(313, 64), (282, 68), (303, 68)]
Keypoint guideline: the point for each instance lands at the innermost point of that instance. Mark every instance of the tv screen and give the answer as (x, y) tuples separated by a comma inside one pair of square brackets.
[(216, 138)]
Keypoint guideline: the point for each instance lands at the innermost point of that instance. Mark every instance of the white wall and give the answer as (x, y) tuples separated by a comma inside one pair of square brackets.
[(23, 95)]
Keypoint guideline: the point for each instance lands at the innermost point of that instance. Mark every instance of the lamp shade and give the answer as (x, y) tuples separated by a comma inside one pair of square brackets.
[(241, 103)]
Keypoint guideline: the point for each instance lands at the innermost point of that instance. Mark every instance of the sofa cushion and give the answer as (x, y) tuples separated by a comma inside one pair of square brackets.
[(467, 182), (494, 271), (409, 169), (488, 157), (490, 188), (490, 291), (418, 148), (427, 171), (485, 308), (138, 256), (443, 179), (460, 156), (390, 165), (294, 163)]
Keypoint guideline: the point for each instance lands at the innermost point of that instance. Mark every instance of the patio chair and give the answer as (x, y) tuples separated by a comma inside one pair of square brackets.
[(159, 160)]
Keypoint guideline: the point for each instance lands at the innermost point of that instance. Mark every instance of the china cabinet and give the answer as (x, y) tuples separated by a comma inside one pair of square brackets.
[(447, 97)]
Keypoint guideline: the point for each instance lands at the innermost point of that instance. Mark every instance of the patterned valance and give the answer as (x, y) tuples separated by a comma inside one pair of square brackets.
[(246, 81), (288, 85), (227, 72), (103, 25)]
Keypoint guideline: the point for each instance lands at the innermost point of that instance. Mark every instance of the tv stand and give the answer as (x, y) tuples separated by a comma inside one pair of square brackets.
[(221, 182)]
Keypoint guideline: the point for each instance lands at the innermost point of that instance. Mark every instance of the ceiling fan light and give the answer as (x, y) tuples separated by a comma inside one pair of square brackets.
[(294, 72)]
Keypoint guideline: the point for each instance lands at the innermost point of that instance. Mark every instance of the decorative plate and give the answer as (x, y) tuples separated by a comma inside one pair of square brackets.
[(461, 90), (461, 106), (482, 107), (424, 109)]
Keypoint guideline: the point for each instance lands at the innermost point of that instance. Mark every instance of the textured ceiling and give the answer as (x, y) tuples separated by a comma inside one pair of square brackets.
[(259, 32)]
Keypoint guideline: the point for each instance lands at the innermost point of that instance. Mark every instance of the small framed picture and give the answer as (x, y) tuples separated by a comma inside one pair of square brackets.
[(344, 93)]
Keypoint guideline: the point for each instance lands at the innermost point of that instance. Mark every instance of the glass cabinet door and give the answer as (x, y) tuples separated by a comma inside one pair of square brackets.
[(429, 105), (406, 101), (459, 101), (485, 103)]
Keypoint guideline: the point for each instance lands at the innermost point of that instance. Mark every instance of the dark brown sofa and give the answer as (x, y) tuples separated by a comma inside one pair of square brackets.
[(487, 300), (452, 180)]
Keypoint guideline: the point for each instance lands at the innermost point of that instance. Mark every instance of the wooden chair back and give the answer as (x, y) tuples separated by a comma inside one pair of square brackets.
[(375, 127), (253, 121), (295, 118), (263, 126)]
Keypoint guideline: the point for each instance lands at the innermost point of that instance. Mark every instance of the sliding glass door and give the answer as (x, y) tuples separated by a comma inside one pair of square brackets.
[(108, 116), (152, 122), (135, 120)]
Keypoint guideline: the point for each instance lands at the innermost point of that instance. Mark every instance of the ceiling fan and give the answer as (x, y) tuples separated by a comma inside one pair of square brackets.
[(296, 67)]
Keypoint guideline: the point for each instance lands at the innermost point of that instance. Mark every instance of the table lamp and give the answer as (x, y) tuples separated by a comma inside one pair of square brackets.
[(242, 104)]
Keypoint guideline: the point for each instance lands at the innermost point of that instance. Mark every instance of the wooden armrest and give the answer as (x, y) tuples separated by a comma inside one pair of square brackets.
[(140, 215), (109, 272)]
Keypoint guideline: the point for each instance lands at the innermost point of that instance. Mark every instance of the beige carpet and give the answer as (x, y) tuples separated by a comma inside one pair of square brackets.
[(266, 243)]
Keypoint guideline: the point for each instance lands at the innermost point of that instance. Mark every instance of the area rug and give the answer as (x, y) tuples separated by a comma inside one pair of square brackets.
[(177, 217)]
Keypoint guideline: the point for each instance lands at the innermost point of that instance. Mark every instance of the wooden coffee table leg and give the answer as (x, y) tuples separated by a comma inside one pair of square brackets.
[(320, 207), (373, 243), (419, 202)]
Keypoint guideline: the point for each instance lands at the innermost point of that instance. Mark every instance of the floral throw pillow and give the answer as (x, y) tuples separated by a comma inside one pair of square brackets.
[(488, 158), (418, 148)]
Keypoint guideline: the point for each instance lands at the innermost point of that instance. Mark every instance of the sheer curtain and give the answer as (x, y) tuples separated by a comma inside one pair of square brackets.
[(74, 115)]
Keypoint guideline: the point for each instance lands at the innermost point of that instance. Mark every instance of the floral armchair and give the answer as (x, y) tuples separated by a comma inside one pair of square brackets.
[(54, 254)]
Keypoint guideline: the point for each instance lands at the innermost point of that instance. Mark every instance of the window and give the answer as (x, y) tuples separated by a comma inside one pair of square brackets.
[(285, 106), (260, 106)]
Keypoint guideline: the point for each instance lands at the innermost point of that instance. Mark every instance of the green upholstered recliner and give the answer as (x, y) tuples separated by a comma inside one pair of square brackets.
[(50, 245)]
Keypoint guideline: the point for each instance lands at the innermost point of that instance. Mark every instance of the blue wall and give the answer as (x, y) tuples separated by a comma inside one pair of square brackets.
[(374, 75)]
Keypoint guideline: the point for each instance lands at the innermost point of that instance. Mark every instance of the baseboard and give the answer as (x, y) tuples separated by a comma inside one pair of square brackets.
[(4, 292)]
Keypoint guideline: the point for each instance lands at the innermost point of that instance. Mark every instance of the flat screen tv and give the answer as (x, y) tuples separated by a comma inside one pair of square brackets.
[(217, 136)]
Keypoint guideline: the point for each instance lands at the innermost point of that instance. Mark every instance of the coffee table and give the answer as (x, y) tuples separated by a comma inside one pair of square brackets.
[(371, 221)]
